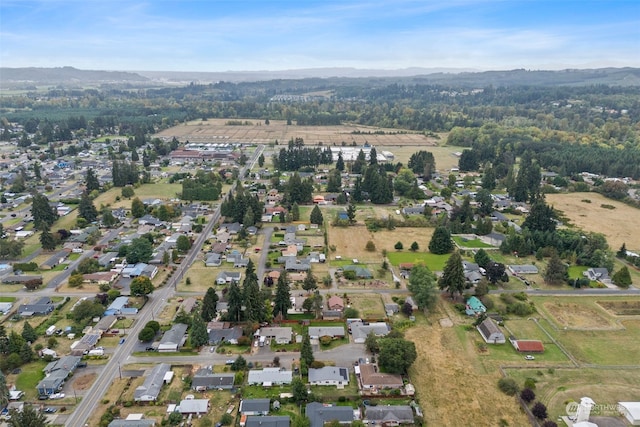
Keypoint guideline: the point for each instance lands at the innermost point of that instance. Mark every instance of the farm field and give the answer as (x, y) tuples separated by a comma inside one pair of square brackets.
[(613, 223), (215, 130), (447, 376), (555, 387), (433, 261), (593, 334)]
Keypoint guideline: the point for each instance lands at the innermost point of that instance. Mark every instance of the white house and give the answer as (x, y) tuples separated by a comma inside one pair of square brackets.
[(269, 376)]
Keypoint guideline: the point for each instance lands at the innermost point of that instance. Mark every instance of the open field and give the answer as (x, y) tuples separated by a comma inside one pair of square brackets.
[(610, 341), (368, 305), (556, 387), (215, 130), (433, 261), (615, 224), (447, 377)]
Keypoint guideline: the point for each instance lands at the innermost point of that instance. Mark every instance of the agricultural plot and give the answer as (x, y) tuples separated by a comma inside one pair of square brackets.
[(556, 387), (613, 223)]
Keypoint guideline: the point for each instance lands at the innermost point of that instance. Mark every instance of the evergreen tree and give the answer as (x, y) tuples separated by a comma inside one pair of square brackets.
[(441, 241), (414, 246), (235, 300), (42, 212), (622, 252), (485, 202), (310, 283), (622, 278), (482, 258), (556, 271), (334, 181), (28, 333), (135, 156), (306, 352), (91, 181), (28, 417), (316, 216), (351, 213), (423, 287), (373, 156), (255, 308), (282, 300), (295, 212), (36, 171), (108, 220), (4, 390), (26, 353), (261, 160), (86, 209), (47, 241), (198, 332), (541, 217), (340, 162), (209, 303), (137, 208), (453, 279)]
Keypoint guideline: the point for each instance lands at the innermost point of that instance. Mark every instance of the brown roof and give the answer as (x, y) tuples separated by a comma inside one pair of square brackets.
[(529, 346), (369, 375), (335, 301)]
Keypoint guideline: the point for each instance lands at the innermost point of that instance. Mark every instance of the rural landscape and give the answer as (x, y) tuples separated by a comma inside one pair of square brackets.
[(312, 252)]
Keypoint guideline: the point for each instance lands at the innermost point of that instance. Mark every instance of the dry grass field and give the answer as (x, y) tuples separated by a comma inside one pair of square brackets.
[(453, 390), (616, 224), (369, 305), (215, 130), (578, 316)]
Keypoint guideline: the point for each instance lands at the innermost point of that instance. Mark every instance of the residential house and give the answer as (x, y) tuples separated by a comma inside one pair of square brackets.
[(206, 379), (278, 334), (388, 415), (361, 272), (150, 220), (213, 260), (316, 332), (140, 269), (41, 307), (598, 274), (359, 330), (56, 373), (255, 406), (108, 259), (474, 307), (226, 277), (105, 323), (319, 414), (188, 305), (517, 270), (409, 300), (293, 264), (391, 308), (117, 306), (413, 210), (231, 228), (193, 406), (329, 375), (331, 314), (153, 382), (228, 335), (268, 421), (372, 380), (133, 423), (100, 278), (268, 377), (335, 303), (174, 338), (55, 259), (490, 332)]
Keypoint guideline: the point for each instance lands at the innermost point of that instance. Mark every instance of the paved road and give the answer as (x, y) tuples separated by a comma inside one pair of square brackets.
[(84, 409)]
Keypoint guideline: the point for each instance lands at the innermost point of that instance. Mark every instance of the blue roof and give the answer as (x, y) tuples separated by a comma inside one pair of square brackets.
[(474, 306)]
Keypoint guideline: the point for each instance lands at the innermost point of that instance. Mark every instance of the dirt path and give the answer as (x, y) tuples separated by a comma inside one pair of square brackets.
[(451, 391)]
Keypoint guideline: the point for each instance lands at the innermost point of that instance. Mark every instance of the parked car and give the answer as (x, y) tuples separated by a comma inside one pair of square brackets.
[(56, 396), (529, 357), (50, 410), (150, 349), (82, 365), (43, 397), (121, 340), (229, 362)]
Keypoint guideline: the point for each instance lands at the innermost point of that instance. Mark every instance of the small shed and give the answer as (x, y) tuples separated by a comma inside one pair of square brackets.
[(490, 332)]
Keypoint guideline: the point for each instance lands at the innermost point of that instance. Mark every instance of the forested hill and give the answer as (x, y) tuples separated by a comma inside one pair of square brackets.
[(336, 77), (64, 75)]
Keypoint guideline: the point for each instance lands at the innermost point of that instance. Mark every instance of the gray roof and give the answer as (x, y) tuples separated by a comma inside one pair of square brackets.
[(132, 423), (174, 335), (193, 406), (150, 389), (255, 405), (269, 375), (328, 373), (360, 330), (268, 421), (524, 269), (320, 414), (206, 378), (332, 331), (397, 413), (230, 334)]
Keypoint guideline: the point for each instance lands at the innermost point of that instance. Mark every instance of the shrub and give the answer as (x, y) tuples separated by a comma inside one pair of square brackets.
[(528, 395), (325, 340), (226, 419), (244, 340), (316, 364), (530, 383), (508, 386), (370, 246), (539, 410)]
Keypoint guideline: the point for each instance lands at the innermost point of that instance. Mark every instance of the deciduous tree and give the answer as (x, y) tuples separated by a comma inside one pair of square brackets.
[(423, 287), (137, 208), (396, 355), (141, 285)]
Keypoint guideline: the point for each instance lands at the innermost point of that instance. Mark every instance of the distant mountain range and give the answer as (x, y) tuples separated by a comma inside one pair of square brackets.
[(69, 76)]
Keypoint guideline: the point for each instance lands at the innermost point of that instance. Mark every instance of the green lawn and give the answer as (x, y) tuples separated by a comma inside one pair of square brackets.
[(475, 243), (30, 377), (575, 271), (7, 299), (433, 261)]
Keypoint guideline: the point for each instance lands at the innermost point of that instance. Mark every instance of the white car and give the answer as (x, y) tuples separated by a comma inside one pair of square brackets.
[(529, 357), (57, 396)]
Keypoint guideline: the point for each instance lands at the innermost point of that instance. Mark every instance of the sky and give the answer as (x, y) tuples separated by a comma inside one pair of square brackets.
[(253, 35)]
